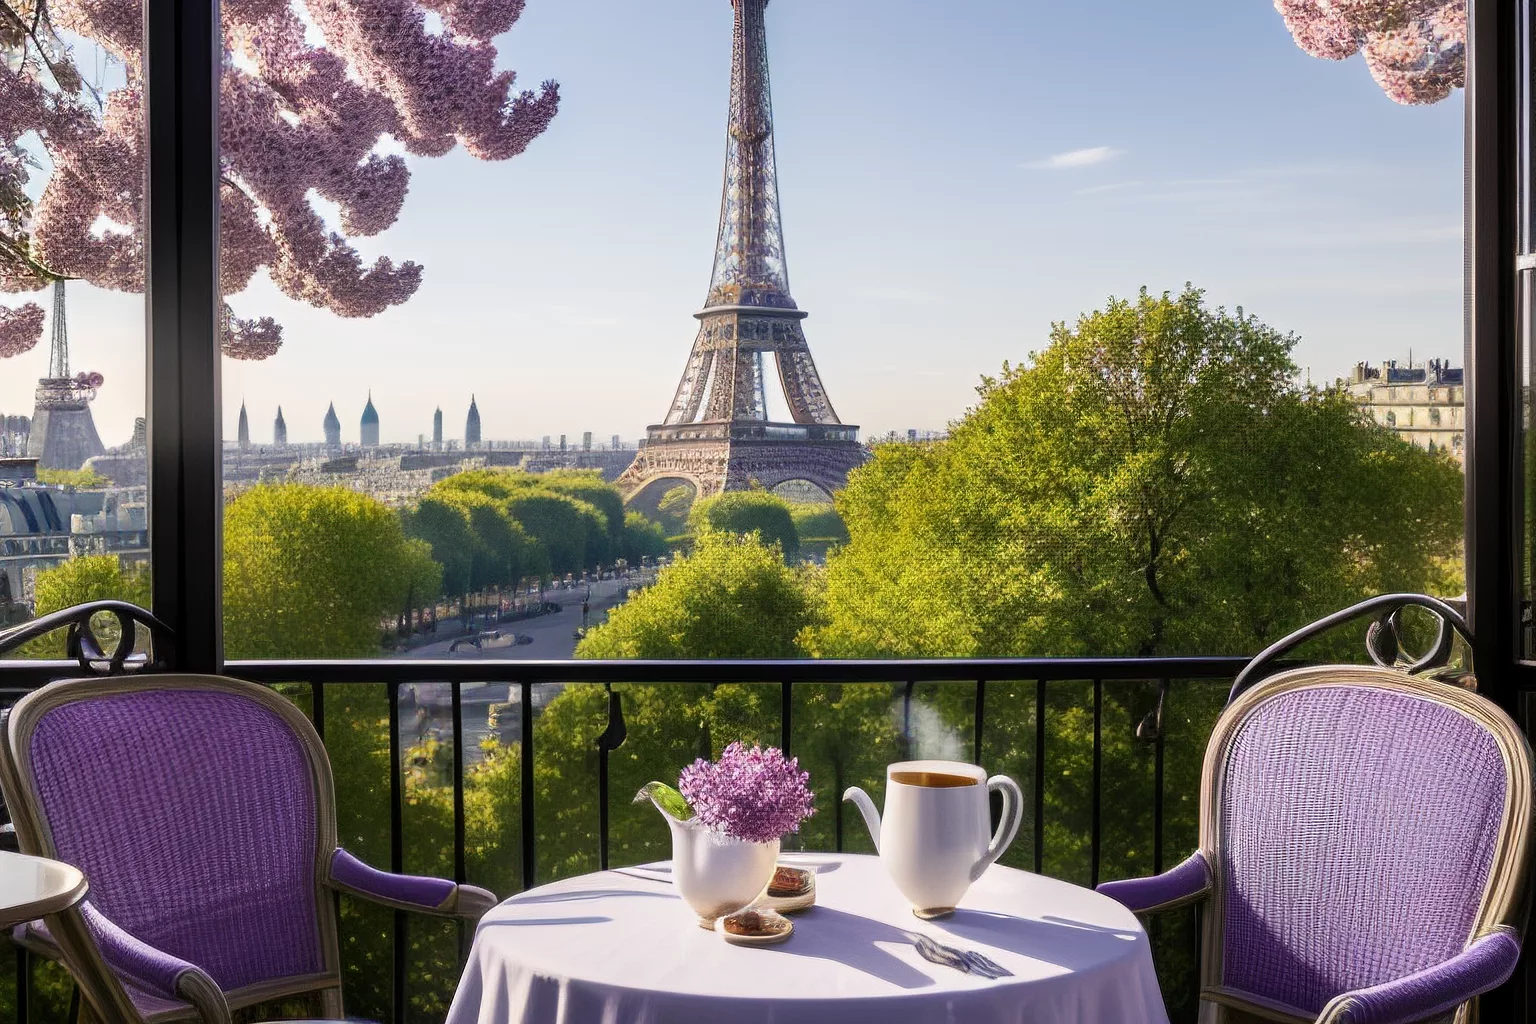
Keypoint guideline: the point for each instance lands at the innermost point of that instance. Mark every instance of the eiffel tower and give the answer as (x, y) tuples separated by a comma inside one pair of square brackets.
[(718, 436), (63, 432)]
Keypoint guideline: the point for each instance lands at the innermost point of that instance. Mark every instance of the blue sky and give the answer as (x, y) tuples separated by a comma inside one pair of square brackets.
[(934, 228)]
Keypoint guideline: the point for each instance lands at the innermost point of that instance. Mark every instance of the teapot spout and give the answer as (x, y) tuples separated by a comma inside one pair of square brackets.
[(866, 807)]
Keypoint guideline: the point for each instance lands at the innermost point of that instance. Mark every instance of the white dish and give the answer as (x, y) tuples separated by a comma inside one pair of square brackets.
[(783, 928)]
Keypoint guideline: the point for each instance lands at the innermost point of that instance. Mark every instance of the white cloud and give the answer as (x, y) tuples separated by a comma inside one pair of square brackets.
[(1076, 158)]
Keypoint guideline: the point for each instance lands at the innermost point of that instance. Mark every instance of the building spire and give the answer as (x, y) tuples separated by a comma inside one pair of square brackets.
[(472, 423)]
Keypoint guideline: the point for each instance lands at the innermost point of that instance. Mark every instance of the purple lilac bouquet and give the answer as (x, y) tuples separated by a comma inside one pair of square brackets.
[(754, 795)]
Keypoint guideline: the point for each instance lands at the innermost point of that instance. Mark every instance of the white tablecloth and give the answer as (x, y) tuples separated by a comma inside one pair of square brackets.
[(620, 947)]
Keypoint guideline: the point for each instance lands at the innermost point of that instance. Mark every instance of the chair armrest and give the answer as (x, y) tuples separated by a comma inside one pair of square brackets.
[(1186, 883), (153, 970), (1486, 964), (407, 892)]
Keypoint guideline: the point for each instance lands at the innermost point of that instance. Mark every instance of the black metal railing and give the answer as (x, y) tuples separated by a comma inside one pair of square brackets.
[(324, 678), (786, 674)]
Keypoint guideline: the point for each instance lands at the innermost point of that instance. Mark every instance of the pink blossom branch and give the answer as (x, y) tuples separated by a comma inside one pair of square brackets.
[(297, 121), (1415, 49), (20, 329)]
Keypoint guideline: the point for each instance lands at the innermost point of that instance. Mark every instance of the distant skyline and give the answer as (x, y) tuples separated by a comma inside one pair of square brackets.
[(952, 183)]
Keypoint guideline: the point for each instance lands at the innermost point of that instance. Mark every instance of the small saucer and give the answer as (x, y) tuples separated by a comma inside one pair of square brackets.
[(777, 929), (789, 904)]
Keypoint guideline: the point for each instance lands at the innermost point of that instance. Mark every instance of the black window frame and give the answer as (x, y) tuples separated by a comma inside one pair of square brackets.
[(182, 66)]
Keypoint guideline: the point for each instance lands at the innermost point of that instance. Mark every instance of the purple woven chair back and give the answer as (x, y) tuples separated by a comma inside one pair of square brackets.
[(1355, 830), (193, 815)]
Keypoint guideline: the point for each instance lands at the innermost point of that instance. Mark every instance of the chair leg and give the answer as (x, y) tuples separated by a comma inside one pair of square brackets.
[(330, 1004), (74, 1004)]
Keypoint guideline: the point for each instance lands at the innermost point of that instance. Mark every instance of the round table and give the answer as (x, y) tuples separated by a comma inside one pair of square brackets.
[(33, 886), (621, 947)]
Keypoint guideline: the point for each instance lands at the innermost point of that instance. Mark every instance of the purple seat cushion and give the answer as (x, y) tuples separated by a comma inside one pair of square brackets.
[(192, 814), (1358, 827)]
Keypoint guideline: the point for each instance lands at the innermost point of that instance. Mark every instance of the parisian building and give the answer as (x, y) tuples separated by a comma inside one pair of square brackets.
[(1424, 404)]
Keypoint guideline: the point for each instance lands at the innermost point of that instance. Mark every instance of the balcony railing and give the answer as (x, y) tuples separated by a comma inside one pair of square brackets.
[(1047, 685)]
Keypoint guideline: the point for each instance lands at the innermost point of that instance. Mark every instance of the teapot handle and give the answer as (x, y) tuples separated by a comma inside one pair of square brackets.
[(866, 807), (1008, 827)]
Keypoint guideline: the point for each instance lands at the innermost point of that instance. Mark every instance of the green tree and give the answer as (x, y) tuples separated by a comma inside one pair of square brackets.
[(78, 479), (673, 509), (587, 485), (818, 521), (501, 553), (1154, 482), (733, 597), (746, 512), (443, 523), (600, 536), (81, 581), (312, 571), (566, 527), (642, 538)]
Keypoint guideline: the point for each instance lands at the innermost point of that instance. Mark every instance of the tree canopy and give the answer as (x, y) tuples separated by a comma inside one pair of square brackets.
[(311, 572), (746, 512), (80, 581), (642, 538), (1154, 482), (567, 521), (732, 597)]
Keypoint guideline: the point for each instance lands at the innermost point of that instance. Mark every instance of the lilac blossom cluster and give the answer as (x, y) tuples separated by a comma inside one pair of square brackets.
[(1416, 49), (754, 795), (298, 119)]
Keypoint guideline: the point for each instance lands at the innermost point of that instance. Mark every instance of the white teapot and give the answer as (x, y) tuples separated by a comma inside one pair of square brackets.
[(935, 841)]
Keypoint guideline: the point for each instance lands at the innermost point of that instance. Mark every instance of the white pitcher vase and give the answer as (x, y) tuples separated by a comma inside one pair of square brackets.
[(716, 874)]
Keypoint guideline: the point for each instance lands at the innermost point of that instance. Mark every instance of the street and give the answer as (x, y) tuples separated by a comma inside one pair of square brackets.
[(554, 636)]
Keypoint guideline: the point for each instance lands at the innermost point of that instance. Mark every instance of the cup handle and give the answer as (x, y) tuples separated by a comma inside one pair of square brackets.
[(1008, 827)]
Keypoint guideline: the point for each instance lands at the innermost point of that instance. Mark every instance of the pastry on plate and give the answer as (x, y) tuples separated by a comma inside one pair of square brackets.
[(754, 927), (791, 889)]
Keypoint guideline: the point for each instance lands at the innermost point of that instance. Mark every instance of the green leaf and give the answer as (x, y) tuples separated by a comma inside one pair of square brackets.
[(667, 800)]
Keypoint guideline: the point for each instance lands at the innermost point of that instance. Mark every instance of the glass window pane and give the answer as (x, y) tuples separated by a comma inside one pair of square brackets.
[(73, 461), (1220, 383)]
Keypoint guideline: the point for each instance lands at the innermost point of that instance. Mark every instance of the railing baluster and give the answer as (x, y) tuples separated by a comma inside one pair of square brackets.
[(1039, 776), (981, 719), (317, 709), (460, 865), (1165, 690), (1096, 797), (786, 717), (526, 697), (23, 985), (397, 845), (602, 788), (460, 868), (906, 719)]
